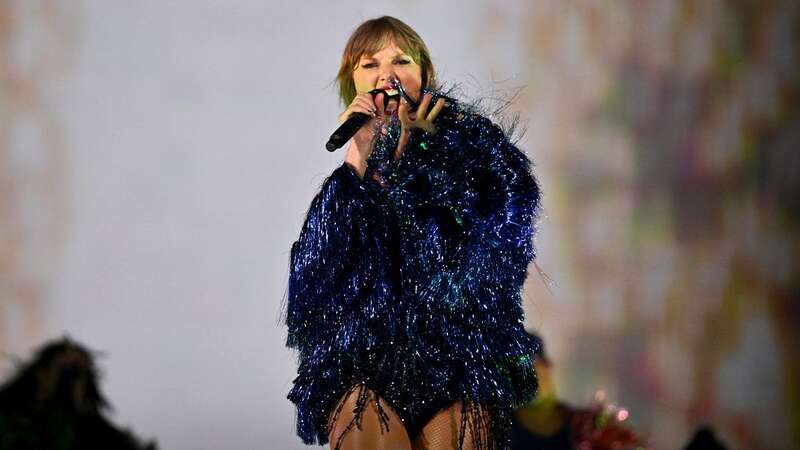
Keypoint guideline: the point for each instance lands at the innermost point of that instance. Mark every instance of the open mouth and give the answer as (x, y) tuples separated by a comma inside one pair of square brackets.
[(391, 100)]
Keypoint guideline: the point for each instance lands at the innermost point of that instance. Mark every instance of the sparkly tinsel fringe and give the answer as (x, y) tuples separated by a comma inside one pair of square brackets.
[(408, 282)]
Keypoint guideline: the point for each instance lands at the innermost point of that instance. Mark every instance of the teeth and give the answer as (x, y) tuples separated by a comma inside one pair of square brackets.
[(392, 92)]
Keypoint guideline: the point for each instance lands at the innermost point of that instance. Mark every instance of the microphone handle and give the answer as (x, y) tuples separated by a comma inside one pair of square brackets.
[(346, 130)]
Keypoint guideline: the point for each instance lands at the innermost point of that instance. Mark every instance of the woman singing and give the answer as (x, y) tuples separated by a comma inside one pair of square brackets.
[(404, 285)]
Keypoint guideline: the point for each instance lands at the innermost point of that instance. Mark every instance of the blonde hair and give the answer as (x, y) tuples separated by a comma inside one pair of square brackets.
[(369, 38)]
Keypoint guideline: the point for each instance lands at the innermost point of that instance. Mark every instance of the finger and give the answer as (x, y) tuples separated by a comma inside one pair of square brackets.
[(378, 102), (355, 108), (412, 115), (366, 96), (402, 112), (437, 108), (365, 100), (360, 106), (364, 110), (364, 104), (423, 106)]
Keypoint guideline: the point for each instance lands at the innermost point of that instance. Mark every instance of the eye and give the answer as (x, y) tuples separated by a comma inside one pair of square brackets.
[(402, 61), (369, 65)]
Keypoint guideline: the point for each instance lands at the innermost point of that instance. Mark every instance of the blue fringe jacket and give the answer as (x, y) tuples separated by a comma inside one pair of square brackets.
[(411, 287)]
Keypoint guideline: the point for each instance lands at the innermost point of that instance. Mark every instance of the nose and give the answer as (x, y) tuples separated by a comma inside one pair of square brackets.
[(386, 75)]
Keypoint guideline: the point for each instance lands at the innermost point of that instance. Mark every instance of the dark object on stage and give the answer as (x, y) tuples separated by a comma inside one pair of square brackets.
[(704, 439), (53, 402)]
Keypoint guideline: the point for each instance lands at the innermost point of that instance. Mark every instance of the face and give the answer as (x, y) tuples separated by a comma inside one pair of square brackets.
[(375, 71)]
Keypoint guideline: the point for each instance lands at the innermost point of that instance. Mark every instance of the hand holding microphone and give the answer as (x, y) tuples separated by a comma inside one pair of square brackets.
[(364, 108), (358, 123)]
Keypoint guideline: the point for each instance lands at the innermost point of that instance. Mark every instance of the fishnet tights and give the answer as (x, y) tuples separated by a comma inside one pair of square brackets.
[(443, 431), (364, 421)]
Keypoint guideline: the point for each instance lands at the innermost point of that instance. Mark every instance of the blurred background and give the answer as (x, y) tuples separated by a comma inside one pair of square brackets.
[(157, 159)]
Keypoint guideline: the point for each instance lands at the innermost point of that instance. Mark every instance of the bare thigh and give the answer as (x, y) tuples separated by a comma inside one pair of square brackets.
[(443, 431), (377, 428)]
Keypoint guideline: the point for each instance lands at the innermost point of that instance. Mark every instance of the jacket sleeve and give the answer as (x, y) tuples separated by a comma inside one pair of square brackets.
[(499, 206), (335, 264), (472, 202)]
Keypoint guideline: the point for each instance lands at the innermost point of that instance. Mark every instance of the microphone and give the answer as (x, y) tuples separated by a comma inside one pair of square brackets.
[(357, 120), (351, 125), (346, 130)]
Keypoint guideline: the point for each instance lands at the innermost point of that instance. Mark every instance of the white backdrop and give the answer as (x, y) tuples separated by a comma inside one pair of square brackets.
[(190, 138), (157, 159)]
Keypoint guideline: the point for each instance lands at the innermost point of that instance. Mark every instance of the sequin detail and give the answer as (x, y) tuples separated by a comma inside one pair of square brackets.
[(411, 287)]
